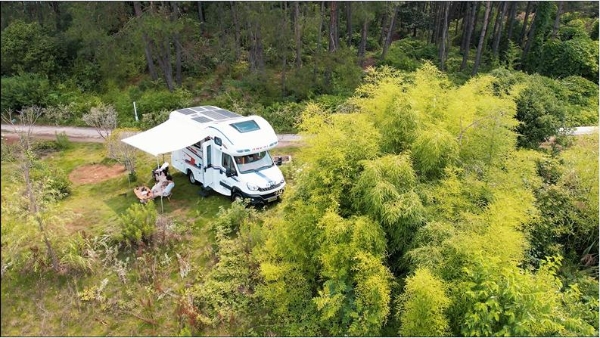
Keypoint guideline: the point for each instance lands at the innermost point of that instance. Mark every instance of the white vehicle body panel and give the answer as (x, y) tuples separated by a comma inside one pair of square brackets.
[(232, 158)]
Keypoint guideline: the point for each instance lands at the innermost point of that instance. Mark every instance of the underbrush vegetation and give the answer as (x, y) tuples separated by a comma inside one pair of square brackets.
[(125, 268)]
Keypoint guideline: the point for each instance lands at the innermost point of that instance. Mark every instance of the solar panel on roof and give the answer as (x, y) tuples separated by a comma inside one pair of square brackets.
[(201, 119), (214, 115), (227, 113), (186, 111), (199, 109)]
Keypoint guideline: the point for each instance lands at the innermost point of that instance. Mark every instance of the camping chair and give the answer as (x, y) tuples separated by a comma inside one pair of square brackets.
[(168, 190)]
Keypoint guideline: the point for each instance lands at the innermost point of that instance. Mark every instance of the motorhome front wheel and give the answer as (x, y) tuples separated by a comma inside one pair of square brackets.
[(191, 177), (236, 196)]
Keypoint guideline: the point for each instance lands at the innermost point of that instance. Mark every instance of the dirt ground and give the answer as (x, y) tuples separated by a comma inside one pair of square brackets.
[(94, 173)]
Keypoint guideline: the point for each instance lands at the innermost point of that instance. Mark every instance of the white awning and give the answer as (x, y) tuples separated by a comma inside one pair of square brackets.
[(167, 137)]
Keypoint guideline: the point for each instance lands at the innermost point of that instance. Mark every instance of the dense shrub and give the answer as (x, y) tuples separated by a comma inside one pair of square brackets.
[(138, 223), (23, 91), (407, 54), (284, 117), (540, 111), (27, 47), (55, 182), (578, 56)]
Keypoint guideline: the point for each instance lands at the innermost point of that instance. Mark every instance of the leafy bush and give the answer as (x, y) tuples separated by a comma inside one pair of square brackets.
[(153, 101), (408, 54), (53, 180), (578, 56), (41, 148), (540, 111), (150, 120), (229, 220), (27, 47), (284, 117), (9, 151), (62, 141), (138, 223), (24, 90)]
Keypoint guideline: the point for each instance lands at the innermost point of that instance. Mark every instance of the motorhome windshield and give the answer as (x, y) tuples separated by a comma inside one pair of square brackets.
[(254, 162)]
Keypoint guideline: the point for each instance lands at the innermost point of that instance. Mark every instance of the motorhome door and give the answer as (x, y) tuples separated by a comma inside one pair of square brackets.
[(207, 149)]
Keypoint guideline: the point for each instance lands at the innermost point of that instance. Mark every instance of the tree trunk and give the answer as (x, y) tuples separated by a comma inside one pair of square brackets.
[(333, 27), (321, 23), (349, 22), (524, 28), (166, 63), (201, 16), (444, 40), (486, 17), (460, 9), (236, 25), (297, 34), (471, 26), (256, 49), (384, 26), (177, 43), (319, 46), (363, 42), (511, 19), (388, 39), (178, 77), (477, 20), (498, 28), (284, 28), (466, 21), (557, 20), (147, 43), (529, 42), (435, 24)]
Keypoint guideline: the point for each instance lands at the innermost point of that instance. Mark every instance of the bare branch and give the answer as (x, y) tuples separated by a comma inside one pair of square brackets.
[(102, 118)]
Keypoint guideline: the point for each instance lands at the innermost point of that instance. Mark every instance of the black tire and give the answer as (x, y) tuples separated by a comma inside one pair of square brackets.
[(191, 177), (236, 196)]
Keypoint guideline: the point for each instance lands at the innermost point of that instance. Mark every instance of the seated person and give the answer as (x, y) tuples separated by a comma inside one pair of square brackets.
[(158, 188), (162, 172), (159, 175), (162, 188), (168, 188)]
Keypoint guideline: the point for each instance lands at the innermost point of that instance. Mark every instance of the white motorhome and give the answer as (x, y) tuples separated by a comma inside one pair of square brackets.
[(232, 158)]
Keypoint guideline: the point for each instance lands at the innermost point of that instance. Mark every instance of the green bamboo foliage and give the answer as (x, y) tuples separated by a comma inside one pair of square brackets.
[(385, 191), (422, 306), (334, 148), (506, 301), (354, 299)]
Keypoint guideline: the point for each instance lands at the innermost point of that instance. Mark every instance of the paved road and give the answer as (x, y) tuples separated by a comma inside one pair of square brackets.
[(86, 134), (585, 130)]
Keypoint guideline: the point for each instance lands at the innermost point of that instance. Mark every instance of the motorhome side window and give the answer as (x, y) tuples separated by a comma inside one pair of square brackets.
[(227, 162)]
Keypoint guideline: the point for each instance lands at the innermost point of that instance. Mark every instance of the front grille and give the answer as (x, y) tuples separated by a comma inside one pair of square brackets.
[(274, 186)]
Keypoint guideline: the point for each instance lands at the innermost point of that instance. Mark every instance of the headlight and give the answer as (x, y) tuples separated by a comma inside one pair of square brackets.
[(282, 180), (252, 186)]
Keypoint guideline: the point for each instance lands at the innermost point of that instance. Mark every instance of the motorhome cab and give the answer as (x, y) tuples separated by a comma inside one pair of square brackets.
[(232, 158)]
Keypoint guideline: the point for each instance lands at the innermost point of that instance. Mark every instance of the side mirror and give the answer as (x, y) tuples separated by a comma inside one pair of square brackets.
[(230, 172)]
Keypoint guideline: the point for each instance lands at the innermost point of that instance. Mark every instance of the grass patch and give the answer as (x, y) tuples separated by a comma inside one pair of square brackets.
[(143, 300)]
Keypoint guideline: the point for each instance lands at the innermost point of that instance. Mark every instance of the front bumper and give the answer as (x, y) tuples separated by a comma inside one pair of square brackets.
[(264, 198)]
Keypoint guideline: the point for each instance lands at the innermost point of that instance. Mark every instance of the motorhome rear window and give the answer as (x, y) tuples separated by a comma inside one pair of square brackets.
[(246, 126)]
